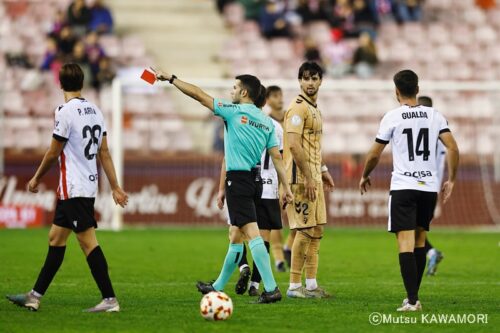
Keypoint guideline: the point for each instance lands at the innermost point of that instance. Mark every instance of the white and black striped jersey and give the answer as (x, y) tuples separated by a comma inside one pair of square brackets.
[(414, 135), (80, 124), (270, 188)]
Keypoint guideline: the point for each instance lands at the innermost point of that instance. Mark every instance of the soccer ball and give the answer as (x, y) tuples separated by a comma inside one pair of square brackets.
[(216, 305)]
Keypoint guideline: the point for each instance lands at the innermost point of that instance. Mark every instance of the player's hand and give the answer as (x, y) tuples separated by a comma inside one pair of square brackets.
[(364, 183), (33, 185), (287, 198), (221, 196), (161, 75), (447, 189), (310, 189), (120, 197), (328, 183)]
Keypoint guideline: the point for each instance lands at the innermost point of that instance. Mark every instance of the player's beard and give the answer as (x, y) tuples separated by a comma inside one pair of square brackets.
[(314, 92)]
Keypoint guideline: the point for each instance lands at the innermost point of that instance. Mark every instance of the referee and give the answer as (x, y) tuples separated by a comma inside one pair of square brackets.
[(248, 132)]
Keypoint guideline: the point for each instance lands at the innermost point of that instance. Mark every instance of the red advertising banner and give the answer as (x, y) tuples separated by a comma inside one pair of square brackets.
[(183, 190), (20, 217)]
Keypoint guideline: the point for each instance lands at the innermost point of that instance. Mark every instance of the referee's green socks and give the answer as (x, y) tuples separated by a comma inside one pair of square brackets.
[(261, 259), (233, 257)]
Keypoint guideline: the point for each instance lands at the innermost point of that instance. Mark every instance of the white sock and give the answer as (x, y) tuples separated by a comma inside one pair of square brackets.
[(431, 252), (294, 285), (311, 284), (34, 293), (286, 248), (254, 284), (243, 266)]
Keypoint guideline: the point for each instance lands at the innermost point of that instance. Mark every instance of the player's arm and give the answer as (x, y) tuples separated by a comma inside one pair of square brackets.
[(189, 89), (222, 185), (275, 155), (119, 196), (327, 178), (299, 156), (50, 157), (371, 162), (452, 157)]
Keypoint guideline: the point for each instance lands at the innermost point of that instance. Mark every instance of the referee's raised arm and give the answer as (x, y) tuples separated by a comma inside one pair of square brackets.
[(189, 89)]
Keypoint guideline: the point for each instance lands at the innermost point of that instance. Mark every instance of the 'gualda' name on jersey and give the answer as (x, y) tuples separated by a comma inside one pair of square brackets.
[(414, 134)]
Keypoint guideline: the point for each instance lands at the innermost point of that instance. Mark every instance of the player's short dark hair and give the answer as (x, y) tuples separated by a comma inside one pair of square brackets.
[(261, 100), (271, 90), (311, 68), (407, 82), (71, 77), (251, 84), (425, 101)]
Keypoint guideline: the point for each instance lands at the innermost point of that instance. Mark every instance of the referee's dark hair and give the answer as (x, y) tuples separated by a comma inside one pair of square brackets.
[(271, 90), (251, 84), (425, 101), (311, 68), (261, 100), (71, 77), (407, 82)]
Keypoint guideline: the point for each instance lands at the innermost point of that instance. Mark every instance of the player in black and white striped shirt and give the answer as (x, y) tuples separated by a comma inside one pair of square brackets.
[(413, 131)]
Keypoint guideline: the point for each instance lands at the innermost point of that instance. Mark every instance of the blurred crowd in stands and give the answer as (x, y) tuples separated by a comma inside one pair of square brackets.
[(74, 38), (353, 27)]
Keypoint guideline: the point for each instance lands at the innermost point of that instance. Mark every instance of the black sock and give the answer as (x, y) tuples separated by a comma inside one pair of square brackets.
[(427, 246), (409, 273), (99, 268), (243, 260), (420, 260), (255, 272), (52, 263)]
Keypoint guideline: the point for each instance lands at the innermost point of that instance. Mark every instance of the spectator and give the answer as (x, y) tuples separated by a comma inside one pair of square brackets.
[(221, 4), (101, 20), (311, 52), (337, 57), (272, 20), (408, 10), (80, 57), (106, 73), (365, 16), (313, 10), (94, 52), (252, 8), (66, 41), (60, 22), (343, 18), (79, 17), (50, 54), (365, 57)]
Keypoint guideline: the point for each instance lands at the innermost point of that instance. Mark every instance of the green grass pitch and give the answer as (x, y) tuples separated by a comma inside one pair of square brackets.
[(154, 273)]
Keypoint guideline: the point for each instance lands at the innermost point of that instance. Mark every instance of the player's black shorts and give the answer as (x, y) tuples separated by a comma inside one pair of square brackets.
[(76, 214), (269, 214), (409, 209), (243, 189)]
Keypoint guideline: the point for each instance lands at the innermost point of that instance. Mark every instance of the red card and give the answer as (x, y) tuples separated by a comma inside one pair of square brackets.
[(148, 77)]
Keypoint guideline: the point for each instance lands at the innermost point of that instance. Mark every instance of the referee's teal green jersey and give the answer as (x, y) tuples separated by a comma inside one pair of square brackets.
[(248, 131)]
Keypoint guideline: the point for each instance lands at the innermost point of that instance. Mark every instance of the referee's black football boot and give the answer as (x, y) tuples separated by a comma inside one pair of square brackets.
[(270, 296), (205, 287), (242, 284)]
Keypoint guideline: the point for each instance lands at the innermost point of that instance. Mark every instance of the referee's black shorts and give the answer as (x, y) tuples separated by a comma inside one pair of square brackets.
[(269, 214), (409, 209), (76, 214), (243, 189)]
